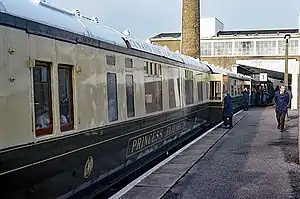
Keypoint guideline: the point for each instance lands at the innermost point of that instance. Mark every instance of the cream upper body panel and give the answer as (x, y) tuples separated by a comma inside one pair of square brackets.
[(15, 95)]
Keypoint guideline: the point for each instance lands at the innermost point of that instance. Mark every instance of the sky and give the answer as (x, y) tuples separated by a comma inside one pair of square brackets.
[(146, 18)]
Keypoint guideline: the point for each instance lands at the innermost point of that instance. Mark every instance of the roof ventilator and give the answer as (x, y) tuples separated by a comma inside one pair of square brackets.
[(95, 19), (76, 13), (126, 32)]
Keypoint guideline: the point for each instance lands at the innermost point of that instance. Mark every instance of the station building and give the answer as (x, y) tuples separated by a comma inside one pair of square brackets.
[(244, 51)]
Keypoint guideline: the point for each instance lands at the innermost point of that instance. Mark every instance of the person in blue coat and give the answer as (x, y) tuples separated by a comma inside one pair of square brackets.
[(281, 99), (246, 99), (227, 110)]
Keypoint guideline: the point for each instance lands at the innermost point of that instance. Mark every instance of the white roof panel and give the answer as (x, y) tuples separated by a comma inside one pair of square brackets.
[(192, 62), (103, 33), (141, 45), (44, 13), (217, 70)]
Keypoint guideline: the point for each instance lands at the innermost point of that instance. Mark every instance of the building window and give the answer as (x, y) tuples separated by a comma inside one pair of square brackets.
[(244, 48), (112, 97), (66, 109), (223, 48), (293, 47), (266, 47), (42, 98), (205, 48), (130, 96)]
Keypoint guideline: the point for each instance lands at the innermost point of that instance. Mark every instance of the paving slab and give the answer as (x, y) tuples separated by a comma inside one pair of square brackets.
[(145, 193), (184, 159), (173, 168), (160, 180)]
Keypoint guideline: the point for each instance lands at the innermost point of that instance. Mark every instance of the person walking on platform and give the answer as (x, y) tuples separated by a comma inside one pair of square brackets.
[(246, 99), (281, 100), (227, 110)]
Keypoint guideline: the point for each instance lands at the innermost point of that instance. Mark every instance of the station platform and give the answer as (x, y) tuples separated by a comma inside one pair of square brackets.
[(252, 160)]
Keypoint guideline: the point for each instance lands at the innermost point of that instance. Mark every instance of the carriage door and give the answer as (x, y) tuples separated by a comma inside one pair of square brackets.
[(216, 87), (202, 80)]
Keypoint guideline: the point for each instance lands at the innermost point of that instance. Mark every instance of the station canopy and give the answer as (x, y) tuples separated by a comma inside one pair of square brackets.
[(250, 70)]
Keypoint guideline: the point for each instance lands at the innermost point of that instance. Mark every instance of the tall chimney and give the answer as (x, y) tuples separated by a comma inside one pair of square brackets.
[(190, 28)]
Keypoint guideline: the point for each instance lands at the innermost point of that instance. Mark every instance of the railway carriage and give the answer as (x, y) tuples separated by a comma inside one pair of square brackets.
[(222, 80), (83, 105)]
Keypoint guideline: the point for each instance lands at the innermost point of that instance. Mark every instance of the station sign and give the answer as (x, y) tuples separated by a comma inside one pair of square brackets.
[(263, 77)]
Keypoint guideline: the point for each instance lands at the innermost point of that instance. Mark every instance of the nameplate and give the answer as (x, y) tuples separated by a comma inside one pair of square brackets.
[(146, 140)]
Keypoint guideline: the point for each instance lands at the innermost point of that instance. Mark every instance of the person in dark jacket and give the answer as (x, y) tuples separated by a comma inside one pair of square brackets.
[(227, 110), (281, 100), (246, 99)]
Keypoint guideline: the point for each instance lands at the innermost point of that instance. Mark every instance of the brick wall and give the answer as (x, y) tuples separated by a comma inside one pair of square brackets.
[(191, 28)]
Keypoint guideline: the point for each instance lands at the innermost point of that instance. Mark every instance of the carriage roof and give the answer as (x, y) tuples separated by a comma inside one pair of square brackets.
[(218, 70), (73, 21)]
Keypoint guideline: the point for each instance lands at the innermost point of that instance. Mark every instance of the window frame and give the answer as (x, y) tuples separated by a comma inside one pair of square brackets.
[(117, 100), (45, 131), (70, 126), (133, 93)]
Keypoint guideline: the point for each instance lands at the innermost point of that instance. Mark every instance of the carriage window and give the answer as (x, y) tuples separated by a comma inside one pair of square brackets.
[(159, 69), (207, 90), (112, 97), (42, 98), (155, 70), (215, 90), (66, 109), (153, 94), (146, 69), (110, 60), (151, 69), (130, 96), (128, 63), (174, 87), (189, 87), (200, 91), (235, 87)]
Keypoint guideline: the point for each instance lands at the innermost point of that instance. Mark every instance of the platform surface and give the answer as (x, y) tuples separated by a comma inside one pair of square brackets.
[(253, 160)]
